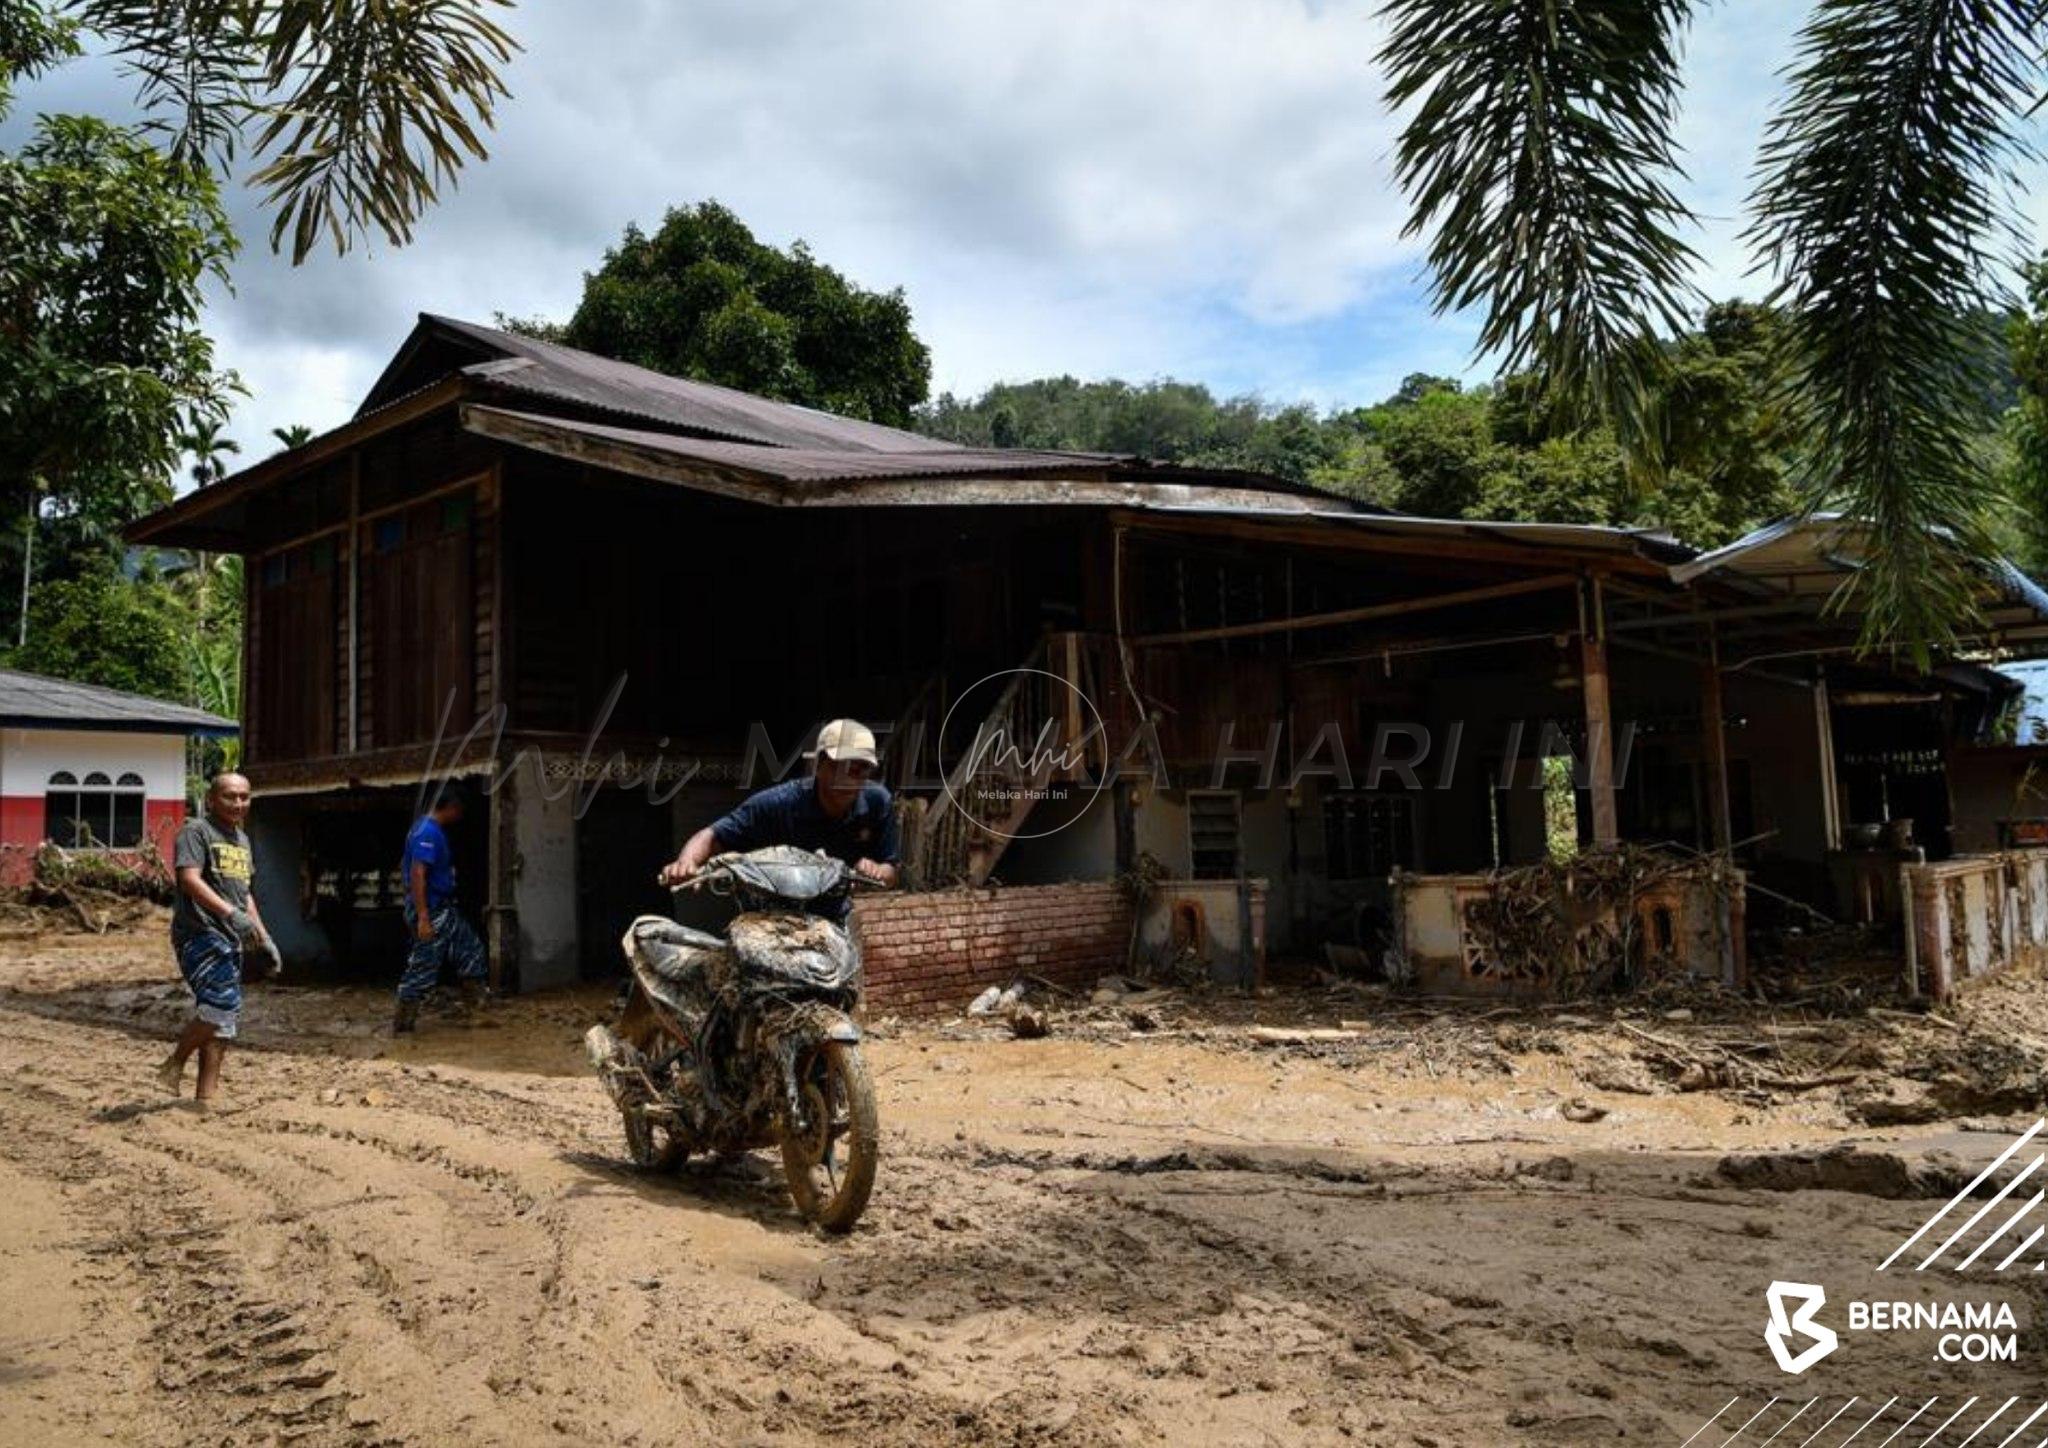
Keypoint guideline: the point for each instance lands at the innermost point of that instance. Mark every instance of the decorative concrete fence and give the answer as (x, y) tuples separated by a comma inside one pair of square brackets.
[(1973, 916), (1492, 935)]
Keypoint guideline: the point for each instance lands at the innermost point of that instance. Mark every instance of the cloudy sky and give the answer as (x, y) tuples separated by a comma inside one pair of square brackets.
[(1138, 188)]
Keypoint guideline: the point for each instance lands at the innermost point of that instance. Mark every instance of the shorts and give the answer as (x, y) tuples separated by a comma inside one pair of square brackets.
[(454, 944), (212, 967)]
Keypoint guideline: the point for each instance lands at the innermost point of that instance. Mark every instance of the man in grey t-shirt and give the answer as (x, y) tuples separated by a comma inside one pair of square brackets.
[(214, 920)]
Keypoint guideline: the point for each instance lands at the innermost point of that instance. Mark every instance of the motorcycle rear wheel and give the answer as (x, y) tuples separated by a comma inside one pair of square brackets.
[(831, 1166), (653, 1145)]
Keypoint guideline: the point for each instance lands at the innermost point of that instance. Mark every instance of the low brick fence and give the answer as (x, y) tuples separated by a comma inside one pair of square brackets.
[(932, 952)]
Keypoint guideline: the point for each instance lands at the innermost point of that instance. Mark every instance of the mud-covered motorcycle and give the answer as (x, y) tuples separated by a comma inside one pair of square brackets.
[(726, 1046)]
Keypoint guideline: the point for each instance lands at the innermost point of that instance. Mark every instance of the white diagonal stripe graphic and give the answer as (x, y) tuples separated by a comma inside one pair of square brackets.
[(2024, 1426), (1909, 1422), (1745, 1427), (1867, 1422), (1711, 1421), (1963, 1195), (1977, 1216), (2032, 1238), (1948, 1420), (1790, 1421), (1829, 1423), (1985, 1424), (2010, 1222)]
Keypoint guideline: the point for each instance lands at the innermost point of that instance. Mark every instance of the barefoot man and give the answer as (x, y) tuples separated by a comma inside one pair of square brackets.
[(213, 921)]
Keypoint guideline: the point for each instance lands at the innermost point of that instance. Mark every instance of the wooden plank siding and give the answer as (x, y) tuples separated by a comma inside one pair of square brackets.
[(297, 595), (426, 550), (418, 620)]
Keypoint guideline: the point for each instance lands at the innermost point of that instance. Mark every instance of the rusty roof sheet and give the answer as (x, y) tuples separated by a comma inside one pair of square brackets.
[(564, 374), (804, 465)]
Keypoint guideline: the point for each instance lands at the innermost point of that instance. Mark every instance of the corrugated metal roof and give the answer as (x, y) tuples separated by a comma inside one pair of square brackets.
[(564, 374), (995, 477), (1805, 561), (31, 699), (815, 465), (1812, 556)]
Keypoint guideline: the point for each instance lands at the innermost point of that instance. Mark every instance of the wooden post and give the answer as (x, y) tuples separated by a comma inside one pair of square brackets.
[(1830, 789), (1716, 735), (1599, 723), (1076, 727), (355, 581)]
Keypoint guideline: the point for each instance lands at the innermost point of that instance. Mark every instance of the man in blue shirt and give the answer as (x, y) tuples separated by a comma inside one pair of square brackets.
[(839, 808), (440, 936)]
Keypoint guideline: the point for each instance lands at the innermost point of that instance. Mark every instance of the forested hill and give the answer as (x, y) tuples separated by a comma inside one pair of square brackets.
[(1440, 449)]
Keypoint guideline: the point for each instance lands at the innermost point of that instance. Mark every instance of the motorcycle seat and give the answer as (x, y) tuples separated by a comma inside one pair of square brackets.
[(674, 953)]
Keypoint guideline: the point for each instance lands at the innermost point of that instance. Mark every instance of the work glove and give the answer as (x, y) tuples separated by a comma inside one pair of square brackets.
[(267, 959), (244, 926)]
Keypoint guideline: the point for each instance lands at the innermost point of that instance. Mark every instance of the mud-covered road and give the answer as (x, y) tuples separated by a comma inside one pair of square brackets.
[(1156, 1237)]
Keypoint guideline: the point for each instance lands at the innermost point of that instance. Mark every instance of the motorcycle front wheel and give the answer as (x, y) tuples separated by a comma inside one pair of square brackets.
[(831, 1164), (653, 1145)]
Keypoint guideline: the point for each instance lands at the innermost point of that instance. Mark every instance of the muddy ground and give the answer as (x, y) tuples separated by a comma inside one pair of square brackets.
[(1440, 1225)]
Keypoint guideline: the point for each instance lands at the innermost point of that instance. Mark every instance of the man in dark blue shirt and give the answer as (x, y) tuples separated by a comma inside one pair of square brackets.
[(839, 808), (440, 936)]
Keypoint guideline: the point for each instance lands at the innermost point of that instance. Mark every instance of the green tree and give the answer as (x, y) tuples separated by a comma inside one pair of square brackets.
[(1537, 156), (105, 246), (206, 600), (703, 298), (2026, 425), (354, 116), (105, 629), (292, 435)]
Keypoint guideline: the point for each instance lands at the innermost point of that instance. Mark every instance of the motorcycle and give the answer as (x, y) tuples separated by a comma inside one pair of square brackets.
[(729, 1045)]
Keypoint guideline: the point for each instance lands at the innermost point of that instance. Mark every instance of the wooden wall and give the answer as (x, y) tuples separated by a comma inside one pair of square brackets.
[(396, 548)]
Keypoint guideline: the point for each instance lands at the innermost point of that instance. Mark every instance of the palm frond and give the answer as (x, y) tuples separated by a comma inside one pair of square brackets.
[(378, 107), (1538, 157), (361, 113), (1885, 209), (192, 63)]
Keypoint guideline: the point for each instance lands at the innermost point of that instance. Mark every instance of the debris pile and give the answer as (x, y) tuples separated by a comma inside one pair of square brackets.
[(89, 891), (1571, 926)]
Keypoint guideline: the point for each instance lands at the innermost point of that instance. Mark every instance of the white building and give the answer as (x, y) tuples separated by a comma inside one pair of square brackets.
[(89, 767)]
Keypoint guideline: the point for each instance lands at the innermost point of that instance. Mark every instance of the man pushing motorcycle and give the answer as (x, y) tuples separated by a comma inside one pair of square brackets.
[(839, 807)]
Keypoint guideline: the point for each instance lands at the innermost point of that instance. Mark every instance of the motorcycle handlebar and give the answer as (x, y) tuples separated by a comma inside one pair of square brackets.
[(702, 878)]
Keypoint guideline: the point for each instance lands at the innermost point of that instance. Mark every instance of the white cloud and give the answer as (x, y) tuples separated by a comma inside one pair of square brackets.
[(1201, 188)]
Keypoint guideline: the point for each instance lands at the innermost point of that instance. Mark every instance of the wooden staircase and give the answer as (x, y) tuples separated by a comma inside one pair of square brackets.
[(1036, 734)]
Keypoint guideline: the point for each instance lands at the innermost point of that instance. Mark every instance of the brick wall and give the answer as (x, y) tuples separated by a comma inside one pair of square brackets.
[(933, 952)]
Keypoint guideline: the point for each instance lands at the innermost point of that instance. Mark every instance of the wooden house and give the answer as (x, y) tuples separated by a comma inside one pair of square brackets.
[(617, 599)]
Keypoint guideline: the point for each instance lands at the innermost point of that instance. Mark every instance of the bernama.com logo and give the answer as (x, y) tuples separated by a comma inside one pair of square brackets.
[(1785, 1323), (1972, 1332), (1994, 1238)]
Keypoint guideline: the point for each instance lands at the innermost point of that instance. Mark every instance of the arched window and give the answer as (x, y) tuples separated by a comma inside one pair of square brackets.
[(98, 814)]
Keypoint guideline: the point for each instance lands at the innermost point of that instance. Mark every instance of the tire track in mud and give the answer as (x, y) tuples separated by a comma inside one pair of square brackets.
[(468, 1257), (237, 1362), (272, 1182), (990, 1301)]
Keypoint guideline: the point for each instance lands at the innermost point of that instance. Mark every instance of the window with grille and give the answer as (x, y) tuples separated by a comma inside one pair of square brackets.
[(93, 813), (1213, 831), (1366, 836)]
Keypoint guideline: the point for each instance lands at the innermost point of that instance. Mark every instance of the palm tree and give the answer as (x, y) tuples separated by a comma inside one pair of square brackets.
[(210, 448), (1537, 157), (296, 434)]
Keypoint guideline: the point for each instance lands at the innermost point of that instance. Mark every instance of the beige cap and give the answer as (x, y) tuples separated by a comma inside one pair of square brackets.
[(847, 739)]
